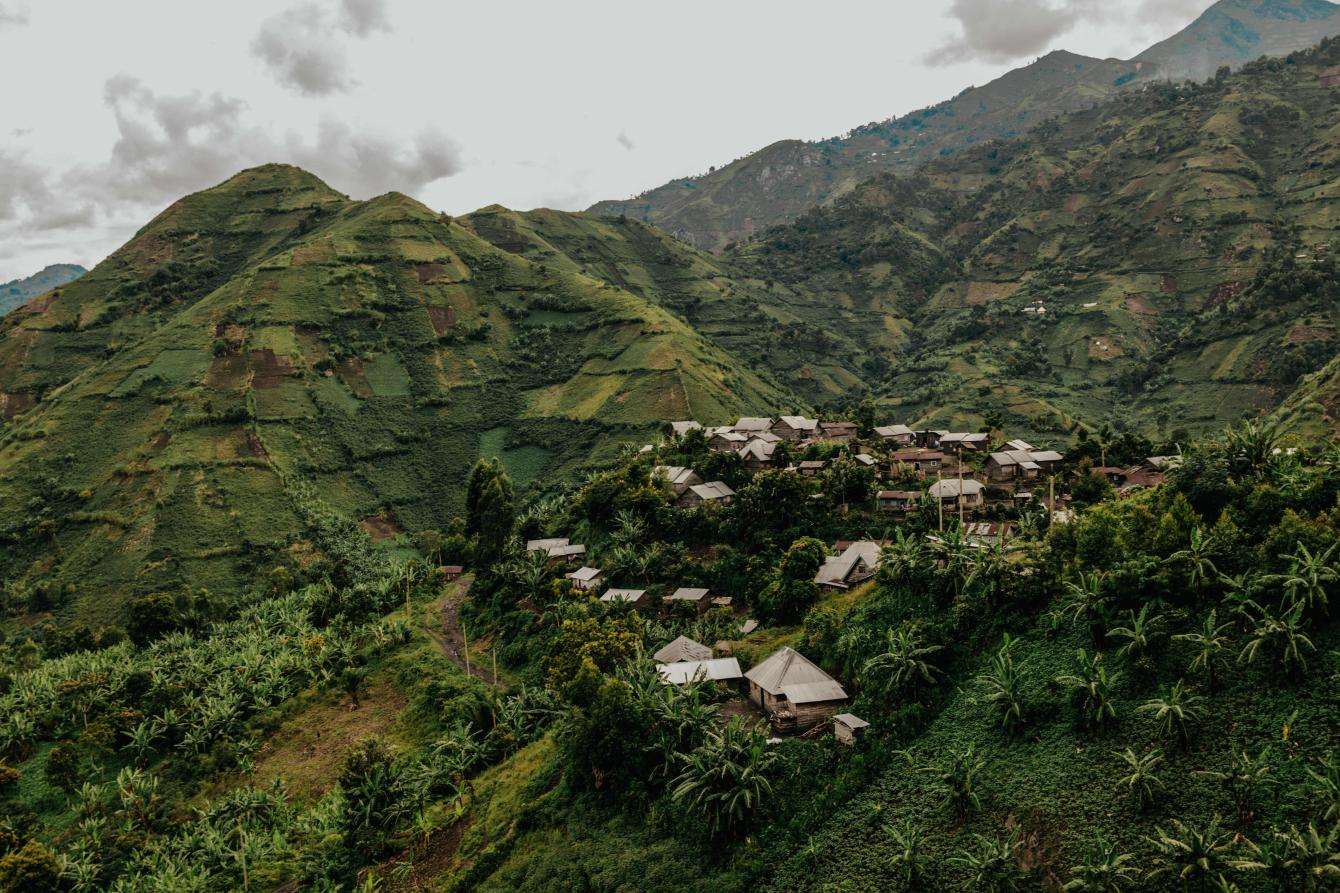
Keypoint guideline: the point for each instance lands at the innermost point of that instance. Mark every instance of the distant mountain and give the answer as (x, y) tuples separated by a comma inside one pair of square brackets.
[(20, 291), (778, 182), (1236, 31)]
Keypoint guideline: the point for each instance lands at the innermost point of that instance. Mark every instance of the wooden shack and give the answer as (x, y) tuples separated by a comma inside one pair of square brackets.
[(793, 691)]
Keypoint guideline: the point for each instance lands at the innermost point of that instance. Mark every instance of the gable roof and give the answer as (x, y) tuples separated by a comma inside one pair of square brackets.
[(838, 568), (798, 422), (787, 667), (758, 449), (1018, 445), (687, 594), (585, 574), (893, 431), (865, 458), (851, 720), (951, 487), (546, 545), (753, 423), (717, 669), (675, 474), (712, 490), (623, 595), (682, 648)]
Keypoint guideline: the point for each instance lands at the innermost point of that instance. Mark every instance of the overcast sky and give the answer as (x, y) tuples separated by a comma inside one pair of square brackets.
[(111, 110)]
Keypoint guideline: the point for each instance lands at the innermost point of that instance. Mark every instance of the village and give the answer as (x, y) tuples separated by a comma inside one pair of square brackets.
[(969, 482)]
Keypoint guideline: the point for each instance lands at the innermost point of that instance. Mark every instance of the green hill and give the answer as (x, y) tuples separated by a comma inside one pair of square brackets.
[(779, 182), (268, 339)]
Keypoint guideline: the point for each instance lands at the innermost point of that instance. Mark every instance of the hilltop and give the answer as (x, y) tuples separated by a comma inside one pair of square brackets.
[(268, 349), (779, 182), (19, 291)]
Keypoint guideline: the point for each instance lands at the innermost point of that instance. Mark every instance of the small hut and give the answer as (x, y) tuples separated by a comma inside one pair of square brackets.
[(848, 727)]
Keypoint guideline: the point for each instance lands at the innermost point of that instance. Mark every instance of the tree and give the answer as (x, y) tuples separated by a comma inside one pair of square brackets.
[(773, 502), (847, 481), (351, 680), (957, 782), (1087, 603), (1142, 635), (793, 589), (32, 869), (62, 767), (1196, 558), (1004, 687), (1142, 782), (1191, 853), (373, 803), (1244, 778), (1281, 635), (907, 859), (727, 778), (993, 865), (1251, 445), (1325, 787), (903, 666), (1176, 712), (1212, 645), (494, 519), (1309, 577), (1105, 869), (1091, 690)]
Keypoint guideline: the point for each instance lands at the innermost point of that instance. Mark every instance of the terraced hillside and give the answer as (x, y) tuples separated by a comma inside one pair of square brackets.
[(779, 182), (184, 417), (1167, 258)]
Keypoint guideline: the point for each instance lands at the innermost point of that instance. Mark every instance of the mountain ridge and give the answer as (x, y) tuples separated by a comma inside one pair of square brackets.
[(18, 292)]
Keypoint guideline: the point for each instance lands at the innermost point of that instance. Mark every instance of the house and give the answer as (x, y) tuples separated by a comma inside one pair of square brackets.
[(793, 691), (967, 493), (866, 459), (757, 453), (1047, 460), (795, 427), (678, 477), (689, 595), (679, 429), (721, 669), (722, 601), (682, 649), (1008, 465), (626, 596), (963, 441), (848, 727), (929, 438), (716, 492), (856, 564), (838, 432), (749, 425), (558, 548), (451, 571), (1115, 475), (725, 440), (922, 461), (1019, 445), (897, 500), (986, 533), (586, 578), (900, 434)]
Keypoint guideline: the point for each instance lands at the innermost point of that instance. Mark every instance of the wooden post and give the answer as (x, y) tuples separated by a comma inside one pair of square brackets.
[(960, 490), (939, 500), (465, 637)]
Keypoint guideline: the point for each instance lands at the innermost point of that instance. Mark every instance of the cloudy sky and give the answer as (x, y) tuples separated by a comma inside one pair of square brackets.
[(112, 110)]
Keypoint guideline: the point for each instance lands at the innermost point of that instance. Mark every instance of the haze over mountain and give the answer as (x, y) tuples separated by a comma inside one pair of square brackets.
[(780, 181), (20, 291)]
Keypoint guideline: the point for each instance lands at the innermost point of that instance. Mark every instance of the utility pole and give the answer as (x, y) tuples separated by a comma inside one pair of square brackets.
[(939, 499)]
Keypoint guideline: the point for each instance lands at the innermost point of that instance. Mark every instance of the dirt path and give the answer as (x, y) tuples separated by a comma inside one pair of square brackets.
[(450, 637)]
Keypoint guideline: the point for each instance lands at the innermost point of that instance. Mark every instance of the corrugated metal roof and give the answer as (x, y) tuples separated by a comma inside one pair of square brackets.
[(623, 595), (584, 573), (851, 720), (687, 594), (784, 667), (719, 669), (813, 692), (546, 545), (682, 648)]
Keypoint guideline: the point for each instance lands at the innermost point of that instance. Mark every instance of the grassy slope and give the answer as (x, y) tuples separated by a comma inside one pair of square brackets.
[(368, 355), (20, 291)]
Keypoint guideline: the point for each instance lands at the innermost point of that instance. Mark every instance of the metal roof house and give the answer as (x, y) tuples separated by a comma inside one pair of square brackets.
[(968, 491), (712, 491), (681, 649), (895, 433), (795, 427), (857, 563), (721, 669), (628, 596), (586, 577), (794, 690), (677, 476)]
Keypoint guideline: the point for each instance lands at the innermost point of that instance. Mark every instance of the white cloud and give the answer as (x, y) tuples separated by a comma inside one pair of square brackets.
[(1002, 31), (305, 46), (12, 16)]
